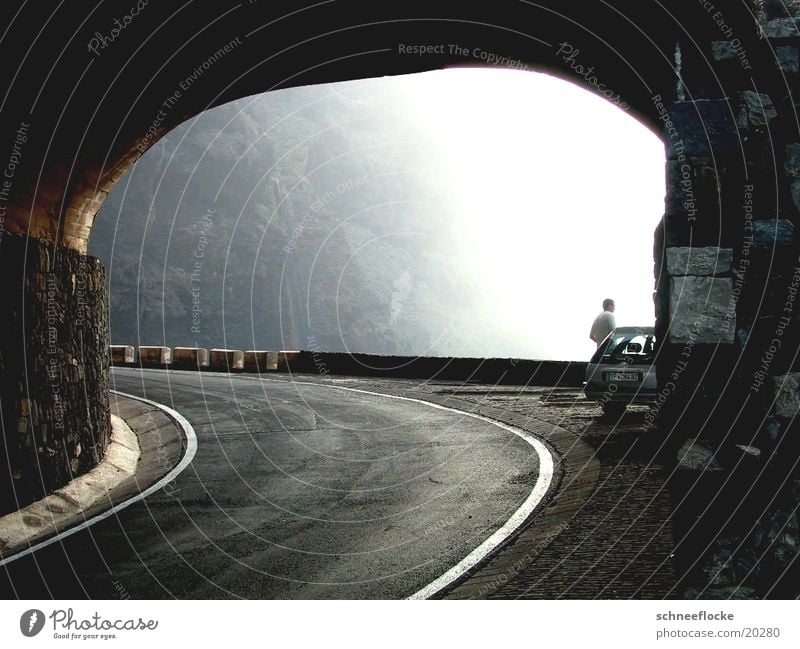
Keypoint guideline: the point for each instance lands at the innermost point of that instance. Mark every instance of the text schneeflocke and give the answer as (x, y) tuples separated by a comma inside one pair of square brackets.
[(699, 615), (67, 621)]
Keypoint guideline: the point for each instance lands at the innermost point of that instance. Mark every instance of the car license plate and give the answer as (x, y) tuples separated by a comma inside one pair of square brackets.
[(623, 376)]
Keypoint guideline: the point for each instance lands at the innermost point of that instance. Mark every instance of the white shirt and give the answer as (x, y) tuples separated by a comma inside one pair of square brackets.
[(602, 326)]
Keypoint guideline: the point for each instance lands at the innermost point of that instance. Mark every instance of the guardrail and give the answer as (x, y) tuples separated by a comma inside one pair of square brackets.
[(503, 371)]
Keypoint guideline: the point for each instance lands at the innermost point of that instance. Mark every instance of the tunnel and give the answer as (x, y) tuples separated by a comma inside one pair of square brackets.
[(88, 90)]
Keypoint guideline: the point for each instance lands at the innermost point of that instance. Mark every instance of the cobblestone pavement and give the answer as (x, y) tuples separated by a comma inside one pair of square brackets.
[(606, 533)]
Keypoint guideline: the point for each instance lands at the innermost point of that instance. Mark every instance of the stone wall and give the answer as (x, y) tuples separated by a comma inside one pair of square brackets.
[(53, 367), (730, 265), (729, 310)]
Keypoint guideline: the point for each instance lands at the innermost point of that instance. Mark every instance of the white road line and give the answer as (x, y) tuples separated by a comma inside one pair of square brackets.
[(543, 482), (186, 460)]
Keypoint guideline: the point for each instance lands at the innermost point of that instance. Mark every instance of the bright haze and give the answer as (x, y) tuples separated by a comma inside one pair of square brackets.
[(465, 212), (558, 193)]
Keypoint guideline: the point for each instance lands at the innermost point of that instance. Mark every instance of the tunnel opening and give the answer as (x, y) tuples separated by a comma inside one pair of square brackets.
[(468, 212)]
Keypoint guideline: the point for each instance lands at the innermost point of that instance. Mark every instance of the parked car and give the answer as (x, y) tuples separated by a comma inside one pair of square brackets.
[(621, 371)]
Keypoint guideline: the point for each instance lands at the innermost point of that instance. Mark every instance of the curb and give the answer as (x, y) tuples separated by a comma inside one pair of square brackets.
[(40, 524), (40, 519)]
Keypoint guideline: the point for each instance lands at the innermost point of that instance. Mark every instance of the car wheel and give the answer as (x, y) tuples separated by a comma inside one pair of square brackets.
[(613, 409)]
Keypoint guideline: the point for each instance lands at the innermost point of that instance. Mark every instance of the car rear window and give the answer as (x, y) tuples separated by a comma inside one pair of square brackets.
[(632, 347)]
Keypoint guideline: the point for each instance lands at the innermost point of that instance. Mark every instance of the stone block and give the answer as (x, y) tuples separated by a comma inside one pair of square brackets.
[(698, 261), (286, 359), (699, 308), (695, 456), (77, 232), (190, 357), (722, 50), (755, 109), (732, 58), (788, 59), (226, 360), (123, 435), (769, 233), (787, 394), (121, 354), (154, 355), (93, 486), (704, 127), (780, 28), (260, 361)]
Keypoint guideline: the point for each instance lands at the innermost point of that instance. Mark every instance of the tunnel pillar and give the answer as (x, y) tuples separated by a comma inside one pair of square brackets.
[(728, 310), (53, 367), (728, 265)]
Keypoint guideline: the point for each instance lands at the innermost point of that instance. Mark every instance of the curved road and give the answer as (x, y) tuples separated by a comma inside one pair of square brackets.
[(296, 491)]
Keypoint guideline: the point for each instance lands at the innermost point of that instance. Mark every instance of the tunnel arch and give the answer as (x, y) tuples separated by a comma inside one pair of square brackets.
[(128, 87)]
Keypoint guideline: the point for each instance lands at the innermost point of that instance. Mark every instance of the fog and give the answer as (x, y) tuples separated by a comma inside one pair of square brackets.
[(557, 193), (467, 212)]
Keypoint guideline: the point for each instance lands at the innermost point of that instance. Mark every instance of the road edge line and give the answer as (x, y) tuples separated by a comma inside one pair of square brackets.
[(517, 519)]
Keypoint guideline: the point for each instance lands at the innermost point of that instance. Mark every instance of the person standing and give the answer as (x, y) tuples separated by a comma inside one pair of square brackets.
[(604, 323)]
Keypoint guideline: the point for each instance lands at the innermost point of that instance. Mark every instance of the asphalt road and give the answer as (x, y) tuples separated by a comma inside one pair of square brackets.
[(296, 491)]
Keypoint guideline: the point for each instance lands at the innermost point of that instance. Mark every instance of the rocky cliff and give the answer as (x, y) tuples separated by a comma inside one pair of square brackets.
[(303, 218)]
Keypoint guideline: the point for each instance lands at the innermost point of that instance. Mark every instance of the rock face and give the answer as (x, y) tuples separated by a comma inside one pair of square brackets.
[(281, 222), (56, 338)]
